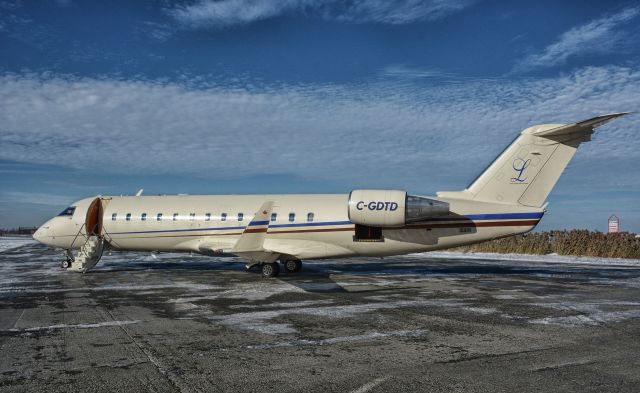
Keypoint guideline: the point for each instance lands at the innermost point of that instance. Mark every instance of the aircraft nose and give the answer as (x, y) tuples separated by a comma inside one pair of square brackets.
[(40, 233)]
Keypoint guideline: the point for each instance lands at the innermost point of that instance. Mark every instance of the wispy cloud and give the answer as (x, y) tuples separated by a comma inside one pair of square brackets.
[(602, 35), (418, 135), (403, 71), (395, 12), (13, 197), (224, 13)]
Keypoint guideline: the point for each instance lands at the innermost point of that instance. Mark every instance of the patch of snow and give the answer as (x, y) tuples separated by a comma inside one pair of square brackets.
[(593, 319), (248, 291), (302, 303), (78, 326), (339, 340), (531, 258), (142, 288), (481, 310), (261, 320), (9, 243)]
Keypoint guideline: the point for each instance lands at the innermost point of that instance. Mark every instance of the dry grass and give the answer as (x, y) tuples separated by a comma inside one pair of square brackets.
[(574, 242)]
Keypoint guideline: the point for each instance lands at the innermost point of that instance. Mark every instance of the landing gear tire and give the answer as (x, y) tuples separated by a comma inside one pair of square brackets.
[(65, 264), (270, 269), (293, 266)]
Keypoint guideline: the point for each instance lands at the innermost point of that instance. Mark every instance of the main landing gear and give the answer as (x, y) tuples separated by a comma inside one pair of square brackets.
[(293, 266), (272, 269)]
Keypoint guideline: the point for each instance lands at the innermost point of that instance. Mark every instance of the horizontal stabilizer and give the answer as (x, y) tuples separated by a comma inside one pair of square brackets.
[(586, 125)]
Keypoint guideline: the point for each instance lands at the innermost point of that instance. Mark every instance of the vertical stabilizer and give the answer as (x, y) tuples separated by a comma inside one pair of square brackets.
[(527, 170)]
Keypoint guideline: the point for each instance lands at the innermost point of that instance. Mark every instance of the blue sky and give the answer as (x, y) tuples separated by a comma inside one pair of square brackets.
[(300, 96)]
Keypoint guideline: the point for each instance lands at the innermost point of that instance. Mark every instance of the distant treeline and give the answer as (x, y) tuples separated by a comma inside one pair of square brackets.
[(574, 242), (17, 231)]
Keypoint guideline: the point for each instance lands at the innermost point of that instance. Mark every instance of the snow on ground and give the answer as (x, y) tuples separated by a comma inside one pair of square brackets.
[(550, 258), (78, 326), (8, 243)]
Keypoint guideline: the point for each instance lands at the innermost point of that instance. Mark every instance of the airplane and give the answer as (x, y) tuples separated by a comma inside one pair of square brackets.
[(508, 198)]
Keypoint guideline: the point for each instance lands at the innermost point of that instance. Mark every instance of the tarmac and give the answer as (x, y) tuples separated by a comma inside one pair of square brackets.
[(190, 323)]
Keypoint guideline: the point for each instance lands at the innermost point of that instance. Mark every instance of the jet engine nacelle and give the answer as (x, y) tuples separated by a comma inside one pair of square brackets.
[(392, 208)]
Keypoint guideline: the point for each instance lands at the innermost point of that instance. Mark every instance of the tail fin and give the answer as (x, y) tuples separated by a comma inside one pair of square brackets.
[(527, 170)]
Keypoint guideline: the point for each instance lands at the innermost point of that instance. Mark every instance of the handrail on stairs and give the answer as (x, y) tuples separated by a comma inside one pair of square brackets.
[(78, 234)]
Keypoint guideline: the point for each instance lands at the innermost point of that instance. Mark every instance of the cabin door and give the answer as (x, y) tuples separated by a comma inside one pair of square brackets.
[(93, 222)]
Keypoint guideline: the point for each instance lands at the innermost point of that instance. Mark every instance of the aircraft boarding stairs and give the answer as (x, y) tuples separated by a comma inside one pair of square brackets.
[(88, 256)]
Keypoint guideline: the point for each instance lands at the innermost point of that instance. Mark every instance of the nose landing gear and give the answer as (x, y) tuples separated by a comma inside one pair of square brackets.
[(68, 260)]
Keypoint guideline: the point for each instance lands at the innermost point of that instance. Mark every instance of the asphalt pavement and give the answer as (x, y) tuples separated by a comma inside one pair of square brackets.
[(190, 323)]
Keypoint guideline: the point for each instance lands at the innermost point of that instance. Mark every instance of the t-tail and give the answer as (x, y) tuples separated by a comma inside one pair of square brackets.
[(526, 171)]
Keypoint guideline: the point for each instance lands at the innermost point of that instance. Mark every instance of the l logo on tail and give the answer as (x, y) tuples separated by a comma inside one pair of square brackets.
[(519, 165)]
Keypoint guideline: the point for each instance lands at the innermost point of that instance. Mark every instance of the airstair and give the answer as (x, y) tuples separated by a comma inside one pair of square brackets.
[(89, 254), (92, 236)]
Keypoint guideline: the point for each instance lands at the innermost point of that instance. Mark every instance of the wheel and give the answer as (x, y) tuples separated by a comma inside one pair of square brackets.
[(65, 264), (270, 269), (293, 266)]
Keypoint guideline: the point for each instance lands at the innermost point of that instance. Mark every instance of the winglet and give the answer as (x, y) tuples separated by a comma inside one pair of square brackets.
[(252, 237)]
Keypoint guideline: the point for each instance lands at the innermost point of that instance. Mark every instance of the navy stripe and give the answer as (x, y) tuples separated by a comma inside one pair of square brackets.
[(178, 230), (478, 217), (233, 228), (311, 224)]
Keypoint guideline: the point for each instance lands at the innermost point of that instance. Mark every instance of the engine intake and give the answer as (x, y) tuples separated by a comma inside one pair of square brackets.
[(392, 208)]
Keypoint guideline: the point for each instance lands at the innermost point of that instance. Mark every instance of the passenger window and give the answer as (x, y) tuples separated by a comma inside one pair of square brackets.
[(159, 217), (292, 217), (192, 216), (310, 217), (144, 217), (114, 216), (223, 217), (128, 216), (240, 216), (274, 216), (175, 216), (207, 217)]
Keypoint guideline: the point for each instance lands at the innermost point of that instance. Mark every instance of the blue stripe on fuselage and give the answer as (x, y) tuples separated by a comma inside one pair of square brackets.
[(472, 217), (254, 223)]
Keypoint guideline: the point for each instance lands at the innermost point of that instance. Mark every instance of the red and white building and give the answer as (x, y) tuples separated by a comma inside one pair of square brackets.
[(614, 224)]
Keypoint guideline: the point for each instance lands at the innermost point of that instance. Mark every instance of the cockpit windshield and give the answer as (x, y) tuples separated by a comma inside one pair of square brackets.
[(68, 211)]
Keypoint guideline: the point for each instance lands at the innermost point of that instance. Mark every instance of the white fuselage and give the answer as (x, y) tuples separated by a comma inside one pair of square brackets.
[(507, 198), (304, 226)]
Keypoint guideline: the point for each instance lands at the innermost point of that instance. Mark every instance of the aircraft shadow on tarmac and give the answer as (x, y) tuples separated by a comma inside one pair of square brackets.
[(317, 276)]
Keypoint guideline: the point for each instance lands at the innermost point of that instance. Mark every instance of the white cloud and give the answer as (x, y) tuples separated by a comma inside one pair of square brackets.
[(599, 36), (422, 135), (224, 13)]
